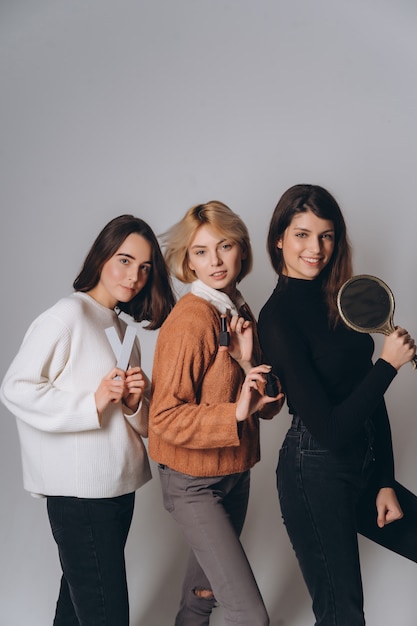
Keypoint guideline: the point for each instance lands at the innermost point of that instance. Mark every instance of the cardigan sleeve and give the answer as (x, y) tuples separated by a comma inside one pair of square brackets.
[(195, 386)]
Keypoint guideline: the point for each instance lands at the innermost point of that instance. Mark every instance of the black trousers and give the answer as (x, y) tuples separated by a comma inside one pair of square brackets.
[(326, 500), (91, 535)]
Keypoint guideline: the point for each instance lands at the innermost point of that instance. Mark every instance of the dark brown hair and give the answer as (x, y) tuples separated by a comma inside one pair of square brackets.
[(154, 302), (300, 199)]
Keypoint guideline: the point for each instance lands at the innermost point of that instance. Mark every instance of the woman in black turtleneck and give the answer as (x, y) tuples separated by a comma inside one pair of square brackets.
[(335, 474)]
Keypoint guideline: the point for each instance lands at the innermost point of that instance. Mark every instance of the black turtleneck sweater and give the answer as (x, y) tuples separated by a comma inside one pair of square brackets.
[(327, 373)]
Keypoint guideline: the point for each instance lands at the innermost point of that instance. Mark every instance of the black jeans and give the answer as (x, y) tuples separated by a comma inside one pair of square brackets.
[(326, 498), (91, 536)]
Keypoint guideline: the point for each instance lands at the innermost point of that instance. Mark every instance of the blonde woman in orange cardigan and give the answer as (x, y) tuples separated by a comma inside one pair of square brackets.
[(204, 417)]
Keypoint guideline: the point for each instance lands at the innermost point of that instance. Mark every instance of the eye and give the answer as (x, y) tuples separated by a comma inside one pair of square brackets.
[(199, 252), (301, 235), (124, 261), (145, 268), (328, 236), (227, 246)]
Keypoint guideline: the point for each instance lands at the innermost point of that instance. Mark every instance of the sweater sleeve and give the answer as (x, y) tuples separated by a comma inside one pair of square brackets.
[(139, 419), (332, 424), (31, 389), (382, 445), (194, 385)]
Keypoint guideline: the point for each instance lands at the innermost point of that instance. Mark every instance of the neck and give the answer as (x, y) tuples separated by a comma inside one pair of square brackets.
[(97, 296)]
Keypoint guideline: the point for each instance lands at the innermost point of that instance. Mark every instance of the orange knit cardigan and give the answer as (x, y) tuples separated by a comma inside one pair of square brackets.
[(192, 420)]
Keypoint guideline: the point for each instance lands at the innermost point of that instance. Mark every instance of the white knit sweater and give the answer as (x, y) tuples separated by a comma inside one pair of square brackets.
[(50, 388)]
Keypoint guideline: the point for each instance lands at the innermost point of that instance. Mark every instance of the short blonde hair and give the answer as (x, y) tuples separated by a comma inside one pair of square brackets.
[(177, 239)]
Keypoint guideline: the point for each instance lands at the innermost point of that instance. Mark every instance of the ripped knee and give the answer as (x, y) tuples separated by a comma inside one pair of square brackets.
[(206, 594)]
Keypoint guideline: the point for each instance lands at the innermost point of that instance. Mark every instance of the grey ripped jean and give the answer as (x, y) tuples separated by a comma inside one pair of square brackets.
[(210, 512)]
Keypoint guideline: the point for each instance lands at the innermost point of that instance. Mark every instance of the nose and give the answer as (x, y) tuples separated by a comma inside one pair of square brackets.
[(133, 275), (315, 244), (215, 258)]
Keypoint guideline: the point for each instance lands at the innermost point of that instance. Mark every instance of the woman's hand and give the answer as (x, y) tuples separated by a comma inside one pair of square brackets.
[(399, 348), (241, 341), (133, 388), (251, 399), (110, 389), (270, 410), (118, 385), (387, 506)]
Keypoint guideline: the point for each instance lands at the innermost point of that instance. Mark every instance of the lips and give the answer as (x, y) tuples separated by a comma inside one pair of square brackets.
[(130, 290), (311, 260)]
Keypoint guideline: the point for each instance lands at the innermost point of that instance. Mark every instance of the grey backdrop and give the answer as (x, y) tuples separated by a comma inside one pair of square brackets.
[(149, 107)]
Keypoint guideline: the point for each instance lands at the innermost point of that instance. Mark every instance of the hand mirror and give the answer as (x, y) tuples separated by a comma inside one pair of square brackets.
[(366, 304)]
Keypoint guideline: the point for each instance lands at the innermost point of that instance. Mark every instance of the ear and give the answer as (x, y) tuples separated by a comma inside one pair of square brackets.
[(279, 243), (190, 266)]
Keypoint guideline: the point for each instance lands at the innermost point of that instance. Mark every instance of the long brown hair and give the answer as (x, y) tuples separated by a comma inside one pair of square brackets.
[(302, 198), (154, 302)]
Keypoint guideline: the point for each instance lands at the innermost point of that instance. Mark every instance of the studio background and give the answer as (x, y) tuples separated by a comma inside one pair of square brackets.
[(149, 107)]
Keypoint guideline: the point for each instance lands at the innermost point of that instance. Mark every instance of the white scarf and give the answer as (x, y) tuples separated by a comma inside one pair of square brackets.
[(219, 299)]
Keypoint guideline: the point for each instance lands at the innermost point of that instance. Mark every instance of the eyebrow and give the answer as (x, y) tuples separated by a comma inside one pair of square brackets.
[(196, 245), (130, 256), (307, 230)]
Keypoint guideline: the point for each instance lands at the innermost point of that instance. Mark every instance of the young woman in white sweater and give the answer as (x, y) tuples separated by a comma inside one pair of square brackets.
[(81, 418)]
